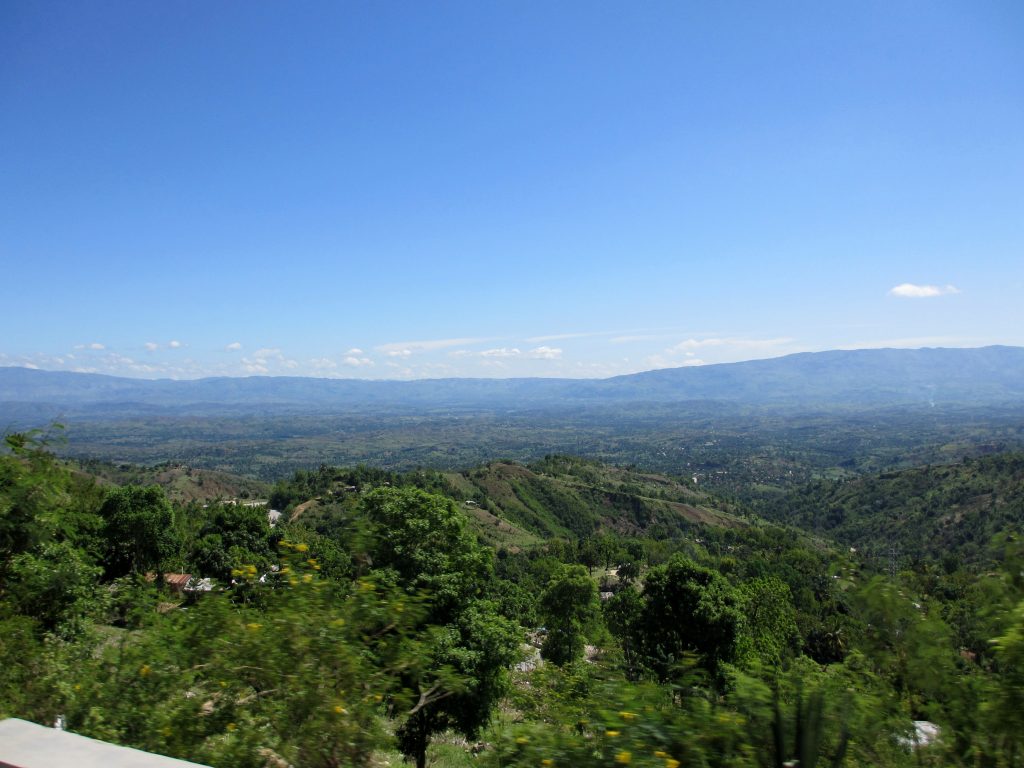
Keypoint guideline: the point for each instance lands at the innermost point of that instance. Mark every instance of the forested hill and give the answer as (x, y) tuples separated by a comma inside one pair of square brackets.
[(180, 482), (925, 512), (987, 375), (513, 504)]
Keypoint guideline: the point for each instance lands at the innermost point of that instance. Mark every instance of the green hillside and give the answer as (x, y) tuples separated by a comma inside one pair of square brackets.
[(568, 496), (931, 511), (180, 482)]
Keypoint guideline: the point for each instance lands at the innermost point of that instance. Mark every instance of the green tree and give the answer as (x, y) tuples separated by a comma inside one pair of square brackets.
[(420, 542), (770, 627), (138, 526), (570, 610), (686, 609), (54, 585)]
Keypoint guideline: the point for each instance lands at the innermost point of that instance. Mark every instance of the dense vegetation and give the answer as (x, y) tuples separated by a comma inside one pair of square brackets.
[(616, 617)]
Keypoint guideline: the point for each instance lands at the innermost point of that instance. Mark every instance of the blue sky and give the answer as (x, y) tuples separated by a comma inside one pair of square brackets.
[(406, 189)]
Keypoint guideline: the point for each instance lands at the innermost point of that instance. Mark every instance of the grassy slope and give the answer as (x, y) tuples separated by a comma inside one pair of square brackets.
[(181, 483), (573, 497)]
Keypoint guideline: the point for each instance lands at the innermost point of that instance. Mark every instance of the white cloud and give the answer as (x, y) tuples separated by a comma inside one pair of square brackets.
[(502, 352), (912, 291), (95, 345), (354, 352), (720, 349), (152, 346), (407, 348), (322, 363), (352, 361), (234, 346), (263, 360), (174, 344), (545, 353), (563, 336), (691, 345)]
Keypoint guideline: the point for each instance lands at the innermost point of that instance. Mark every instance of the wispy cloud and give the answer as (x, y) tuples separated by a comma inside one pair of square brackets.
[(545, 353), (175, 344), (692, 345), (564, 336), (718, 349), (502, 352), (96, 346), (913, 291), (234, 346), (151, 346), (355, 351), (407, 348)]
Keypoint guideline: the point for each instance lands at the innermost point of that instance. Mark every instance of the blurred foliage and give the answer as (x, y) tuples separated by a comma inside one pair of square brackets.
[(374, 618)]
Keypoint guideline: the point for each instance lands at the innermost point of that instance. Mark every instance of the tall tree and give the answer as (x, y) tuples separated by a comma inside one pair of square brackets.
[(138, 529), (421, 541), (570, 610)]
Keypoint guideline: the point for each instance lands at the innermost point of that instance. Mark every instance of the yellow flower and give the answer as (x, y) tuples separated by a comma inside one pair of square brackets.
[(659, 753), (378, 697), (627, 716), (547, 761), (340, 710), (301, 547), (671, 763), (312, 561), (253, 626), (611, 734), (231, 726), (521, 740), (144, 670), (623, 757), (307, 578)]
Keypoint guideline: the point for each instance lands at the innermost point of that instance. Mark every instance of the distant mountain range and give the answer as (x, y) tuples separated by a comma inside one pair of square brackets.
[(871, 377)]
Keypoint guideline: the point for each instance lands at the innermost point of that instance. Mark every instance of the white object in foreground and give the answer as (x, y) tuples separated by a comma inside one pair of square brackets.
[(27, 745)]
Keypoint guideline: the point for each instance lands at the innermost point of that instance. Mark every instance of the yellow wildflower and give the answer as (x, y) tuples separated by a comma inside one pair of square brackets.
[(301, 547), (144, 670), (671, 763), (623, 757), (231, 726), (659, 753), (521, 740), (627, 716), (547, 761), (611, 734), (340, 710), (252, 626), (307, 578)]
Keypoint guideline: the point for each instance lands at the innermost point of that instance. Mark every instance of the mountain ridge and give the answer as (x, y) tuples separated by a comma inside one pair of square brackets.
[(990, 374)]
